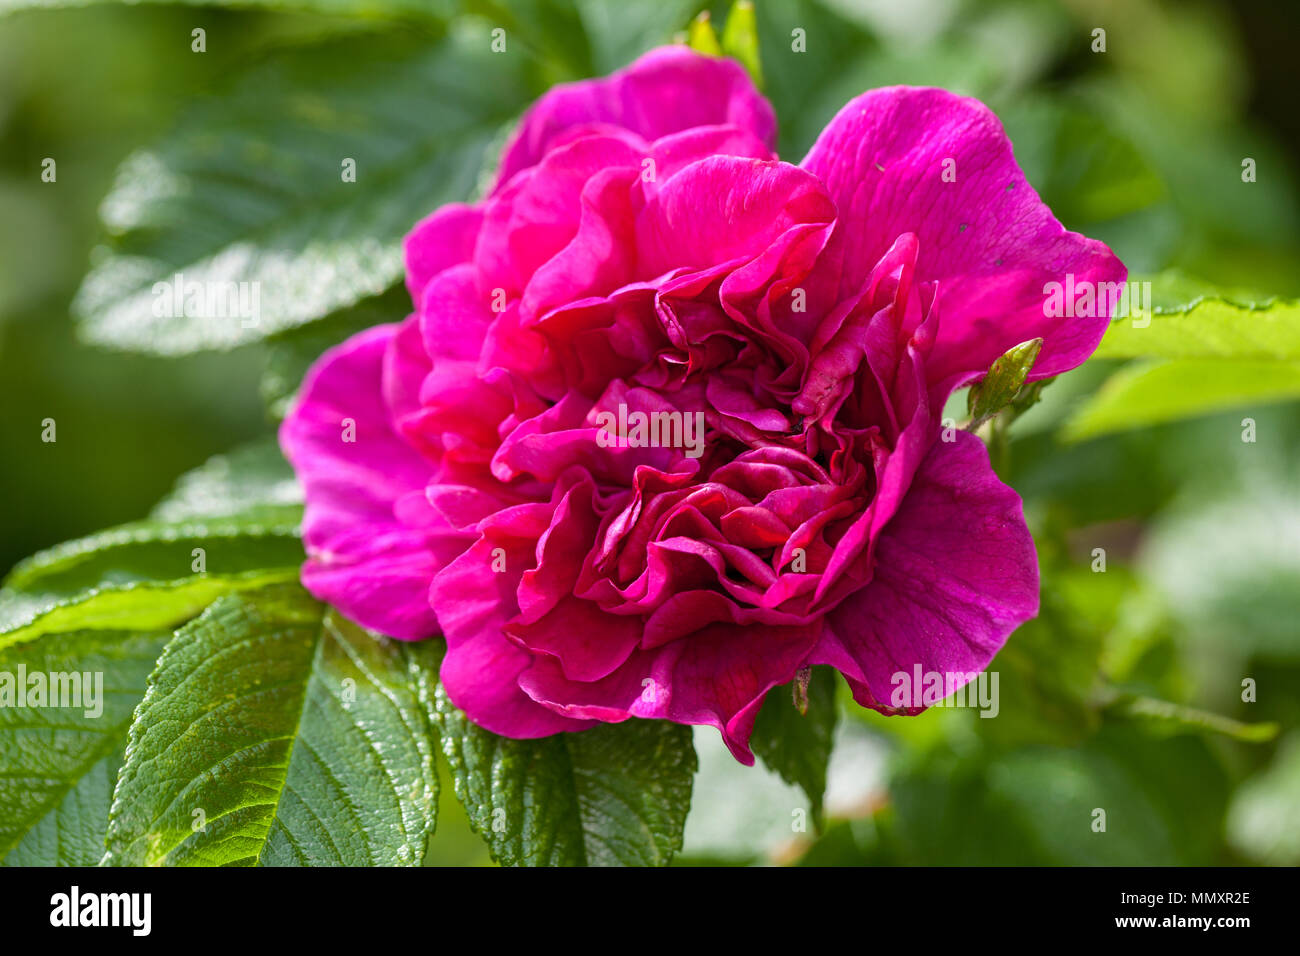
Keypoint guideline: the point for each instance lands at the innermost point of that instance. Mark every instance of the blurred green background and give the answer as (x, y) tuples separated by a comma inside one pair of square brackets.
[(1140, 146)]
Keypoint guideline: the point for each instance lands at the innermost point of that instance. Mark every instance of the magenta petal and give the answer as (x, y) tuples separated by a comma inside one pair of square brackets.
[(955, 574), (480, 678), (599, 257), (474, 603), (588, 643), (571, 532), (537, 214), (363, 558), (717, 677), (985, 236), (455, 317), (406, 366), (725, 208), (668, 90), (676, 150), (439, 241)]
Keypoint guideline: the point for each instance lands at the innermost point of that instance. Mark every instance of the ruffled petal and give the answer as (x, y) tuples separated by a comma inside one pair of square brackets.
[(668, 90), (439, 241), (717, 677), (372, 541), (955, 574), (725, 208), (475, 597)]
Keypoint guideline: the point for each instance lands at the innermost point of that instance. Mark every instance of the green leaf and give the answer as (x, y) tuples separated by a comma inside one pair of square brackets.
[(249, 481), (162, 551), (58, 763), (798, 746), (138, 606), (238, 513), (249, 188), (230, 524), (274, 732), (615, 795), (143, 575), (1188, 319), (1150, 392)]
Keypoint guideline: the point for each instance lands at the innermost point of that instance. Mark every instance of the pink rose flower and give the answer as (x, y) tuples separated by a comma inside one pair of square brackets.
[(665, 428)]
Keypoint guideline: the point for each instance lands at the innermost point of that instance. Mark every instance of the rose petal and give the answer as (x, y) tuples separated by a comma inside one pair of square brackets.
[(437, 242), (955, 574), (986, 238), (666, 91), (363, 558), (717, 677), (475, 597)]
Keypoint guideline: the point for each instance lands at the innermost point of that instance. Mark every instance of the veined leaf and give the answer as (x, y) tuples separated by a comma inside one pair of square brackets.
[(59, 760), (274, 732), (161, 551), (249, 196), (615, 795), (1148, 393), (148, 574), (230, 524), (138, 606)]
